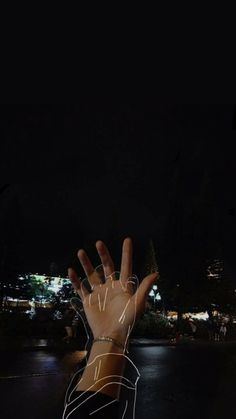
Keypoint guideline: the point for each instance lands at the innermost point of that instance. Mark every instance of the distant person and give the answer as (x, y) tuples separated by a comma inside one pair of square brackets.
[(210, 328), (178, 335), (193, 328), (223, 331), (216, 331), (67, 320), (172, 337), (32, 312), (75, 324)]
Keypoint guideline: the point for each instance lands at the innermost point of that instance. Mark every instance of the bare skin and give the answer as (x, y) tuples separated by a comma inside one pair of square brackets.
[(111, 310)]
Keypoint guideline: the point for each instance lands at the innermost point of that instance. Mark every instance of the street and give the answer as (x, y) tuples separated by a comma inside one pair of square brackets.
[(188, 381)]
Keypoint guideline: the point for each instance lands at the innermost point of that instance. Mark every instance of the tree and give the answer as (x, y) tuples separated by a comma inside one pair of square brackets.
[(66, 292), (150, 264)]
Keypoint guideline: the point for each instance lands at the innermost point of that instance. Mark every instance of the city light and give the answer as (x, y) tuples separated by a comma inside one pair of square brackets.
[(35, 287)]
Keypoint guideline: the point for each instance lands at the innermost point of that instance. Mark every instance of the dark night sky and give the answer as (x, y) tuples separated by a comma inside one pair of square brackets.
[(77, 173)]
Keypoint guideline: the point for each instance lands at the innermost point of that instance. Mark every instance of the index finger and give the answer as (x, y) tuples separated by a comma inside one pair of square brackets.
[(77, 284)]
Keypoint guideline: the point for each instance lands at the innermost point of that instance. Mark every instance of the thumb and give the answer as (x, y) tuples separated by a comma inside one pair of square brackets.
[(143, 291)]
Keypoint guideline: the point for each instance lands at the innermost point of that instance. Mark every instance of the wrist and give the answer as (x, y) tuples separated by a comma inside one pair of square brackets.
[(112, 341), (120, 337)]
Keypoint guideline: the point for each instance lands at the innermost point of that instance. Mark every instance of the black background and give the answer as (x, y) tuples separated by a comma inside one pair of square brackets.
[(72, 174)]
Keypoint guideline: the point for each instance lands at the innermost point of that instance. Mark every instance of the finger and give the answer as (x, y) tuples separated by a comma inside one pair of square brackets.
[(100, 271), (77, 284), (88, 268), (76, 304), (132, 284), (143, 291), (126, 260), (105, 257)]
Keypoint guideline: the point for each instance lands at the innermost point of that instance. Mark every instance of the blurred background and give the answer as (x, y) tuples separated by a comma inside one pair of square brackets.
[(162, 174)]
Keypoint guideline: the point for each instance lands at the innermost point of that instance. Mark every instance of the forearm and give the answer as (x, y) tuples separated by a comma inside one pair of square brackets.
[(104, 369)]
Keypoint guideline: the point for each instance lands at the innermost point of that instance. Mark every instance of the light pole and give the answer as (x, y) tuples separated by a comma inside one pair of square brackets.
[(155, 294)]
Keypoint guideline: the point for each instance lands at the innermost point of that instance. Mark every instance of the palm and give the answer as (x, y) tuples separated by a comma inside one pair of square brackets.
[(106, 302), (111, 307)]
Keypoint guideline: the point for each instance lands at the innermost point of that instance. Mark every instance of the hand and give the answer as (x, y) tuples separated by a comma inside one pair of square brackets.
[(112, 307)]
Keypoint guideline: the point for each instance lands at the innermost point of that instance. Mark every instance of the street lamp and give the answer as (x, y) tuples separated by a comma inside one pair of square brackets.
[(154, 294)]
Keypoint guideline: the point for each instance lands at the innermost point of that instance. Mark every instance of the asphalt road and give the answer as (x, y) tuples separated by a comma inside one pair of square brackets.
[(193, 381)]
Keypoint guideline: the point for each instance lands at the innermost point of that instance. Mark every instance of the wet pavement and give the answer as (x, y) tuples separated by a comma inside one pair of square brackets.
[(187, 381)]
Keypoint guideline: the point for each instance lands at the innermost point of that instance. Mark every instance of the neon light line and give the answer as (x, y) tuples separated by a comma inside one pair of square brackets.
[(124, 310), (95, 411), (126, 405), (99, 302), (103, 309)]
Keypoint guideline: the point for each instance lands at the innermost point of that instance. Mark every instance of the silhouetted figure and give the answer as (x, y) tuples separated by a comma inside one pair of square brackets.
[(68, 319), (223, 331), (216, 331)]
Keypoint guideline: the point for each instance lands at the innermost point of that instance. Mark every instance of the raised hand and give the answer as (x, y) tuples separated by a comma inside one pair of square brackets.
[(112, 307)]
